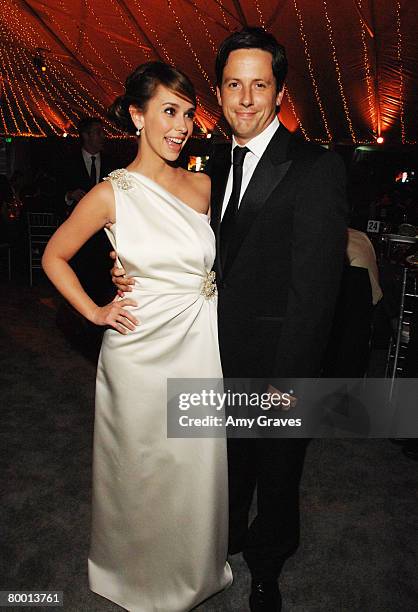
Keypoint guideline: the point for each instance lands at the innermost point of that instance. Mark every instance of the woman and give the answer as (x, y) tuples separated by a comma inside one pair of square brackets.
[(159, 532)]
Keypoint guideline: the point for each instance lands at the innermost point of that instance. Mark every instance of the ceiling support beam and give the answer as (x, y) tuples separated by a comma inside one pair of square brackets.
[(279, 7), (240, 12), (375, 57), (140, 31)]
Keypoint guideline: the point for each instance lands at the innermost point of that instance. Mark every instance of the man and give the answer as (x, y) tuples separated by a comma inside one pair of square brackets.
[(278, 212), (82, 172), (86, 168)]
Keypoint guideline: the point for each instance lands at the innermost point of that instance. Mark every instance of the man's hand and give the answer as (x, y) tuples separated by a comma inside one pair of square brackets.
[(118, 277), (76, 195), (278, 404)]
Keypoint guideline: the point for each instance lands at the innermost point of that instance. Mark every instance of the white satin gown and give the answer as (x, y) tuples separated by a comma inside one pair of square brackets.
[(159, 508)]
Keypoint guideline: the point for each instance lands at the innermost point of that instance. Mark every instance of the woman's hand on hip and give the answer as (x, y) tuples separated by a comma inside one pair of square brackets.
[(115, 315)]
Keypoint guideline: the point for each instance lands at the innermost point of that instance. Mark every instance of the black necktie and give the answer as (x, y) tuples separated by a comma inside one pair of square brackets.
[(93, 173), (230, 214)]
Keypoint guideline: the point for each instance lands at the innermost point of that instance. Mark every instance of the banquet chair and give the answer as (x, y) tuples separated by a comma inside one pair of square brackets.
[(41, 226), (396, 354), (5, 247)]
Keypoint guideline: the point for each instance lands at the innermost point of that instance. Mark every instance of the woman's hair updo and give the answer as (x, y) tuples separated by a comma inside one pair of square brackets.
[(140, 87)]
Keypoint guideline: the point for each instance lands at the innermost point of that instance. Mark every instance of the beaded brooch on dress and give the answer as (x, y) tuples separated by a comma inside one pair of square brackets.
[(209, 286), (121, 177)]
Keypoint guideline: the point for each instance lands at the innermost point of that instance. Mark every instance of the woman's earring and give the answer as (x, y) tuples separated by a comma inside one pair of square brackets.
[(138, 131)]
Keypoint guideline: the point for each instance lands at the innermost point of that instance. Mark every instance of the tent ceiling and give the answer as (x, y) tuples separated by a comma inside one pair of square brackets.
[(352, 63)]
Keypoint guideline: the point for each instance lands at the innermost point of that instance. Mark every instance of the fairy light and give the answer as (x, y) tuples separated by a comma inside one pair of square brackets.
[(367, 70), (311, 71), (85, 39), (400, 64), (84, 104), (202, 21), (40, 92), (292, 106), (154, 33), (110, 39), (212, 120), (338, 71), (221, 9), (24, 63), (74, 92), (3, 120), (11, 79), (10, 107), (146, 51), (188, 43), (98, 110), (10, 36), (260, 14)]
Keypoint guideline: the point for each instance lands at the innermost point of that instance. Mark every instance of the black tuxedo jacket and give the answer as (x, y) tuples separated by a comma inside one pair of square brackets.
[(278, 287), (92, 263), (75, 173)]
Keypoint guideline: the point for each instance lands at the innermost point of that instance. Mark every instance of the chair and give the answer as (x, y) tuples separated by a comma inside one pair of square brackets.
[(41, 226), (399, 341), (5, 246)]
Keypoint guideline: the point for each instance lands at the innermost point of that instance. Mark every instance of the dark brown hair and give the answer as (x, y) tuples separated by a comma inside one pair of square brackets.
[(253, 38), (140, 87)]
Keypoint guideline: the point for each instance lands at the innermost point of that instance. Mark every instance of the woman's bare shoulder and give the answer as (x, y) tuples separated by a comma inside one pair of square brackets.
[(200, 182)]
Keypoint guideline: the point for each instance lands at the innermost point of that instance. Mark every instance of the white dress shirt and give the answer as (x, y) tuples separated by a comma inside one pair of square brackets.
[(256, 146), (87, 160)]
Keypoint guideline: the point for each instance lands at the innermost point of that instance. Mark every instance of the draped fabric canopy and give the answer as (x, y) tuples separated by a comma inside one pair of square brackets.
[(352, 63)]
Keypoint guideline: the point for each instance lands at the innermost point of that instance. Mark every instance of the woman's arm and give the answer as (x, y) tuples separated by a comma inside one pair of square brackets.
[(92, 213)]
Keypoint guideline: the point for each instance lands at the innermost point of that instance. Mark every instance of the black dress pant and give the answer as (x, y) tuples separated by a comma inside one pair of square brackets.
[(274, 466)]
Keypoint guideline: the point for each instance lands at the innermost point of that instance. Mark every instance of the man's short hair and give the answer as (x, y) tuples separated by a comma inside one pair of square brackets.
[(253, 38), (85, 125)]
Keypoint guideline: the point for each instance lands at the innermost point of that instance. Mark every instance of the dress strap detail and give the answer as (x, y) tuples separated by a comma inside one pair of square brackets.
[(122, 178)]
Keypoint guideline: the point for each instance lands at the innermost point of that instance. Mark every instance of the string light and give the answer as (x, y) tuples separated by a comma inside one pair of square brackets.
[(153, 32), (310, 70), (202, 21), (226, 22), (367, 70), (3, 120), (188, 43), (400, 64), (260, 14), (26, 64), (142, 46), (338, 71), (380, 140), (292, 106), (40, 91), (8, 66), (51, 96), (85, 39), (110, 39)]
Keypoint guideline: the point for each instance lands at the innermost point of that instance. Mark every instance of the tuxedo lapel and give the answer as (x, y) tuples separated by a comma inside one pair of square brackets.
[(270, 171)]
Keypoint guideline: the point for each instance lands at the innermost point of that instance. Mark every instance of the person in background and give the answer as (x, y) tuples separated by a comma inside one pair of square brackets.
[(348, 350), (89, 165), (83, 171)]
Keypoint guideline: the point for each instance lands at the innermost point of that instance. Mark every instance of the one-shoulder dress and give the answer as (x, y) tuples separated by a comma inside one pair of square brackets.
[(159, 506)]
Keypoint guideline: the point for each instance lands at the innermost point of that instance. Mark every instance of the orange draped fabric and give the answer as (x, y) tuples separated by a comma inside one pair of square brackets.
[(352, 63)]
